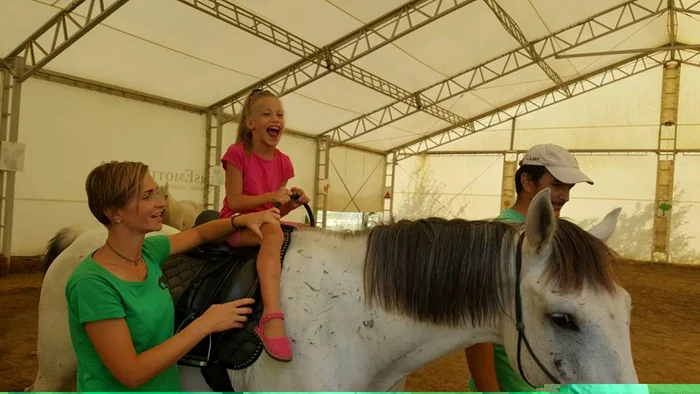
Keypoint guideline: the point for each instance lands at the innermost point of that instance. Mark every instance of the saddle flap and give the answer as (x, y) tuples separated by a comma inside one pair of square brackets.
[(223, 274), (203, 288), (241, 282)]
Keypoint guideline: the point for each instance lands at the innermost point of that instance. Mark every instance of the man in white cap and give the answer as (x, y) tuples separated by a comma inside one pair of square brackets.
[(544, 166)]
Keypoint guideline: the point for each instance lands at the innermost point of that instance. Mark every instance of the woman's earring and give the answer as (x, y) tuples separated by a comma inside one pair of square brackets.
[(117, 220)]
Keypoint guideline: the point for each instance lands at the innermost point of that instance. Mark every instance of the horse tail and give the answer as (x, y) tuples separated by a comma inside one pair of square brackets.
[(63, 239)]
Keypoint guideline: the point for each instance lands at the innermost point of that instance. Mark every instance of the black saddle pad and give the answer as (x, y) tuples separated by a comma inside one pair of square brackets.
[(212, 274)]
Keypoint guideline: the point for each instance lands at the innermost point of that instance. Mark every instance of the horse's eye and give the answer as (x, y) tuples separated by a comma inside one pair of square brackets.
[(565, 321)]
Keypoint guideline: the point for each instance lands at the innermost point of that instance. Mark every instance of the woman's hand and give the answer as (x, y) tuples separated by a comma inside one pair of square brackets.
[(221, 317), (253, 221)]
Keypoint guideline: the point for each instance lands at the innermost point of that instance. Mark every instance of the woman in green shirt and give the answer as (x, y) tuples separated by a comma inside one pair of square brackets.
[(120, 320)]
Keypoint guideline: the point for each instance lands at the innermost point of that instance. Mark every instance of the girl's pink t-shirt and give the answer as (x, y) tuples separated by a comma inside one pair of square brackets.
[(259, 175)]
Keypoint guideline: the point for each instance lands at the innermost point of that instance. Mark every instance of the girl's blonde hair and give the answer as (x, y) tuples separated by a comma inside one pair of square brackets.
[(111, 185), (245, 135)]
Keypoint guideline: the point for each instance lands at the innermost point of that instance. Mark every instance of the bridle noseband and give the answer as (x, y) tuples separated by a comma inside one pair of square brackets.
[(519, 318)]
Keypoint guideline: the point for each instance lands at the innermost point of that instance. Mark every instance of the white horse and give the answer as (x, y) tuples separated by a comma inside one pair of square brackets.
[(179, 214), (366, 309)]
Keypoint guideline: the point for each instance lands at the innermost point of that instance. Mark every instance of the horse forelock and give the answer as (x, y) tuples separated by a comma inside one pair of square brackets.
[(439, 271), (578, 258)]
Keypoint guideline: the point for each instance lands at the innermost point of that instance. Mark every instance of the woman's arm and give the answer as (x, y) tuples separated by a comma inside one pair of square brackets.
[(113, 343), (216, 229), (482, 367)]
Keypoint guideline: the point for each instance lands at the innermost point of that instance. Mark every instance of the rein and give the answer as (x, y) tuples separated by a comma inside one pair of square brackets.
[(519, 319)]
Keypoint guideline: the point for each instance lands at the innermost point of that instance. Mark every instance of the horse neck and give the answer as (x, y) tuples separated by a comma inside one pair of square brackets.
[(322, 293), (172, 200)]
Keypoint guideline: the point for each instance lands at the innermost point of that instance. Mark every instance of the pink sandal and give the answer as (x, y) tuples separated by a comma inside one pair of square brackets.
[(278, 348)]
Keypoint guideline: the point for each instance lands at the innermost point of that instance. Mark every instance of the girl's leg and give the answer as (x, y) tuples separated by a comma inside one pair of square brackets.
[(269, 271)]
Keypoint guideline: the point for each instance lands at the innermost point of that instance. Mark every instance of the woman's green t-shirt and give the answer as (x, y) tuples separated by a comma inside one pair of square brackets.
[(94, 294)]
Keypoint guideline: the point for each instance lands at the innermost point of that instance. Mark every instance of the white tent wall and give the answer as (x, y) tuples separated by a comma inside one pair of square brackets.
[(620, 181), (684, 242), (448, 186), (68, 131), (623, 116), (356, 180)]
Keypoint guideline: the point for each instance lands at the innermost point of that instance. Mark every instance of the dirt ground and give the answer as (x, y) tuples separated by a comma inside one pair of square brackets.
[(665, 335)]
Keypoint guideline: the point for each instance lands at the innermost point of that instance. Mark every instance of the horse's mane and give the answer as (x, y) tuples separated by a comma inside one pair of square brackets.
[(437, 270), (448, 272), (579, 258)]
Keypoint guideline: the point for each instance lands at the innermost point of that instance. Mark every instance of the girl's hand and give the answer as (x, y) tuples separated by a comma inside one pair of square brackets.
[(281, 196), (253, 221), (303, 198), (221, 317)]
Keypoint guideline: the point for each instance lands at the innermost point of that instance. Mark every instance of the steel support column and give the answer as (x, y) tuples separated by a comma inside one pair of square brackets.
[(510, 165), (672, 26), (666, 161), (389, 179), (215, 169), (212, 159), (9, 131), (209, 120), (5, 99), (320, 201)]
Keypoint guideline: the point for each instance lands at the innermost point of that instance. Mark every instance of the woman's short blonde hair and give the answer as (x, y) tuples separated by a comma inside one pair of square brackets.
[(111, 185)]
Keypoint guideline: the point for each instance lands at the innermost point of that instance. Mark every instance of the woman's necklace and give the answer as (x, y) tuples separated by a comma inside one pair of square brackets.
[(136, 262)]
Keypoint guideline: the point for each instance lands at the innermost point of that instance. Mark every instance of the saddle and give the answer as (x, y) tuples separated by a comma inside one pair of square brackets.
[(216, 273)]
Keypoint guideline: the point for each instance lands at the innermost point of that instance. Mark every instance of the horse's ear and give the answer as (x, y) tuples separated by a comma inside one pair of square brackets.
[(540, 222), (604, 230)]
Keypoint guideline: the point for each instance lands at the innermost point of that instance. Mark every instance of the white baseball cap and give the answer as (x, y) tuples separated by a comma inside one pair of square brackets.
[(558, 161)]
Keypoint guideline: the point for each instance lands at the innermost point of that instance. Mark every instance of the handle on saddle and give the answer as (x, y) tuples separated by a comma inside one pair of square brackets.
[(309, 212)]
